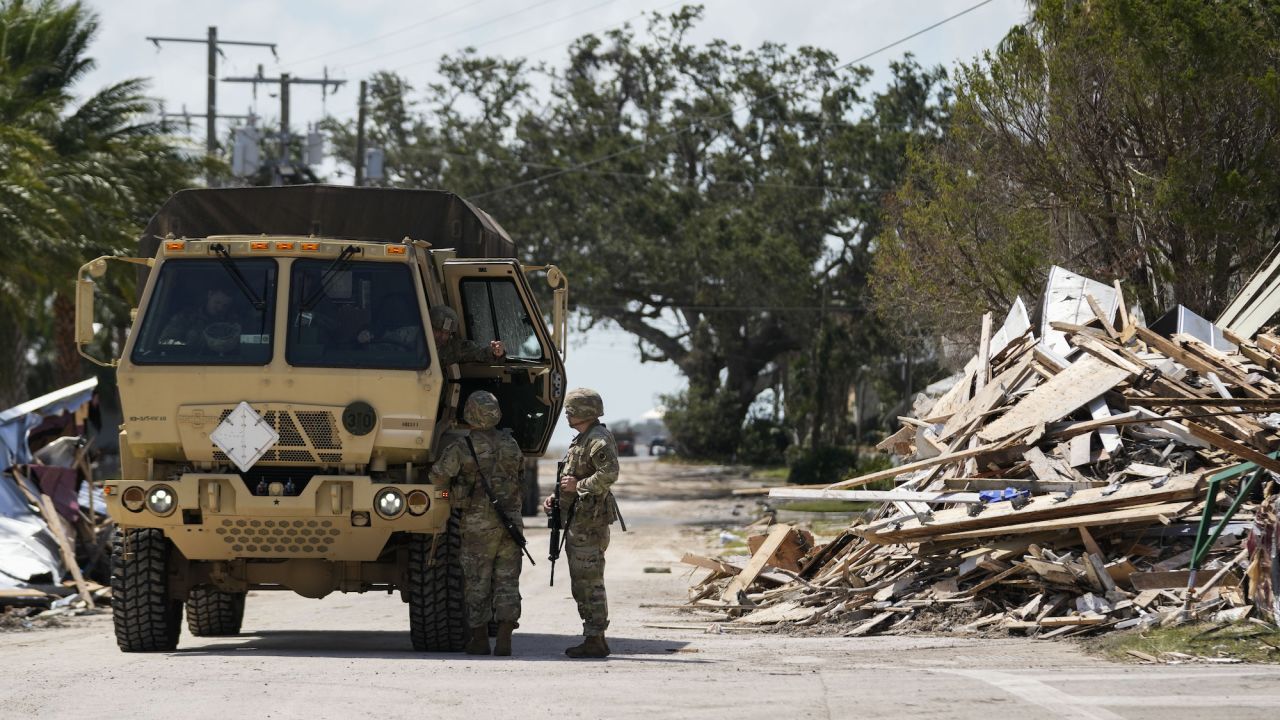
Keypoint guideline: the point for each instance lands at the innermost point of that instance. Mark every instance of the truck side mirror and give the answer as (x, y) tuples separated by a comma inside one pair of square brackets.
[(85, 287), (559, 308)]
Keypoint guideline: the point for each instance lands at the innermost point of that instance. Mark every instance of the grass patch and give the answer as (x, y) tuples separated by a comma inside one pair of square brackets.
[(674, 459), (771, 473), (1242, 641)]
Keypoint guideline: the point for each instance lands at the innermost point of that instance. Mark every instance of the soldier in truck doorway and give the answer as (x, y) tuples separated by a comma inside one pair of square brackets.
[(454, 349)]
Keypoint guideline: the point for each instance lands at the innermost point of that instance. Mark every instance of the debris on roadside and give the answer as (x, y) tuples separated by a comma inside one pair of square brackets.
[(1097, 474), (54, 530)]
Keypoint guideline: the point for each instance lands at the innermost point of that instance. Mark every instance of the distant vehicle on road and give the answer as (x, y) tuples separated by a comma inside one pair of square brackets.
[(660, 446)]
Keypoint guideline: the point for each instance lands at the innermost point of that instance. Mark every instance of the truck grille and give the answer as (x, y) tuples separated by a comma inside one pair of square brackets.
[(304, 434), (278, 537)]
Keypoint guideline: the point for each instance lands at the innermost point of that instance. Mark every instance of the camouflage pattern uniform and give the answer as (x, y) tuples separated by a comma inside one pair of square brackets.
[(490, 558), (456, 349), (593, 459), (460, 350)]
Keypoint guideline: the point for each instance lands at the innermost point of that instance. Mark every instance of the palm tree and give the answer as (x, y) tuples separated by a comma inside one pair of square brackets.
[(76, 180)]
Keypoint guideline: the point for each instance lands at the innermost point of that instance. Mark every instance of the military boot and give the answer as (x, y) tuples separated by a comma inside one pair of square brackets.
[(502, 646), (593, 646), (479, 642)]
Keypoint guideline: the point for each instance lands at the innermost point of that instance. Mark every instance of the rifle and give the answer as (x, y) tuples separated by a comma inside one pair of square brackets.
[(554, 522), (510, 526)]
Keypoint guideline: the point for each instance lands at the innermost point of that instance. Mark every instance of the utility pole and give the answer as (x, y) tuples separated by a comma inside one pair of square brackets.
[(187, 117), (212, 44), (285, 81), (360, 135)]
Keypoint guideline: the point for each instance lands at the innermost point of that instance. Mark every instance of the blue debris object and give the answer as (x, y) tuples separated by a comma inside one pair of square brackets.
[(995, 496)]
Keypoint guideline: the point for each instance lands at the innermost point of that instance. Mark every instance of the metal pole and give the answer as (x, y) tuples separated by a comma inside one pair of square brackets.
[(359, 163), (284, 117), (211, 112)]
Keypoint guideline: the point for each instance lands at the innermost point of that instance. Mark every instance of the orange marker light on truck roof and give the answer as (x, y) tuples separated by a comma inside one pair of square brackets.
[(284, 246), (395, 249), (259, 245), (175, 245), (310, 247)]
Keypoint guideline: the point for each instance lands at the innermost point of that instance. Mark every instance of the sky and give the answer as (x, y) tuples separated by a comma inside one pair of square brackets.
[(351, 39)]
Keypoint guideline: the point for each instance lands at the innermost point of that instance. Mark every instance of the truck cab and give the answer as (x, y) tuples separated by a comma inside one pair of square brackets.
[(283, 397)]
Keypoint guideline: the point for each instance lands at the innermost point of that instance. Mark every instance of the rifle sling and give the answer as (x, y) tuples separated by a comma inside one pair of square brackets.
[(515, 534)]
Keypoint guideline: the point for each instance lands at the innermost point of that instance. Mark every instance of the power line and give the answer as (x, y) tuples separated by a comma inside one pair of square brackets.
[(393, 33), (677, 132), (611, 26), (562, 43), (527, 30), (448, 35)]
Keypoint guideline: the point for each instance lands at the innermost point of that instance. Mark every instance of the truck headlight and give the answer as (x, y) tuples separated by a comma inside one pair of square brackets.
[(161, 500), (389, 503), (133, 499), (419, 502)]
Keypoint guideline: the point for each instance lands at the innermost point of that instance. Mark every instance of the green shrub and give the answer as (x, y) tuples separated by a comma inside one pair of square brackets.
[(764, 442)]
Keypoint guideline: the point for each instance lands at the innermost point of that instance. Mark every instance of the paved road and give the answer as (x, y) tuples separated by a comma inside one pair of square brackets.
[(349, 656)]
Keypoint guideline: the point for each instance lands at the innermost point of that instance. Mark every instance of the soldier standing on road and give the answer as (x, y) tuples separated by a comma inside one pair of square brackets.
[(454, 349), (591, 467), (490, 558)]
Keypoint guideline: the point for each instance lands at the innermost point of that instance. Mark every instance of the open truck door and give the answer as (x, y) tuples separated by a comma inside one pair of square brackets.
[(495, 302)]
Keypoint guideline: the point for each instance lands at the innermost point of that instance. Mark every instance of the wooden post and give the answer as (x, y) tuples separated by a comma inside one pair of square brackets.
[(53, 520)]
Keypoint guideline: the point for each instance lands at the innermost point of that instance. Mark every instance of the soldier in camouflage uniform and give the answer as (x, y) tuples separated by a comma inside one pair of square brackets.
[(453, 349), (490, 558), (591, 467)]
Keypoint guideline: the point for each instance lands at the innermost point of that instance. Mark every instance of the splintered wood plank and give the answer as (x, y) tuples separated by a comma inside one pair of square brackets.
[(743, 580), (1104, 317), (1121, 310), (1043, 508), (983, 375), (1188, 358), (1139, 515), (54, 522), (870, 625), (1171, 579), (1041, 467), (1069, 620), (936, 498), (1242, 451), (1083, 381), (958, 395), (1109, 435), (918, 465), (986, 399), (1080, 450), (719, 566)]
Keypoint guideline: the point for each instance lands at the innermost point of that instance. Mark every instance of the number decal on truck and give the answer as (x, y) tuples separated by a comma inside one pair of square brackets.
[(359, 418)]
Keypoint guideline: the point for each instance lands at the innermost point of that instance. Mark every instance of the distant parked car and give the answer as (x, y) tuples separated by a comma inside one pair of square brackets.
[(660, 446), (627, 448)]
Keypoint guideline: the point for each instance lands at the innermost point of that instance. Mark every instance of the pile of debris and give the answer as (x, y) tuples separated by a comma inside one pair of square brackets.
[(54, 530), (1104, 474)]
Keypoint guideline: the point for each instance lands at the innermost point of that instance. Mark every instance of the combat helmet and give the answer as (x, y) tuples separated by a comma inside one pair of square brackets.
[(482, 411), (584, 404), (443, 318)]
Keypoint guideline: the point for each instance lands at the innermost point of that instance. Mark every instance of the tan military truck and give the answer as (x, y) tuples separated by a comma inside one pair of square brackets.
[(283, 397)]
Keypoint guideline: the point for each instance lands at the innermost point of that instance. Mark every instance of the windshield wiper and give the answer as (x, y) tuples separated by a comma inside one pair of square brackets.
[(224, 257), (339, 264)]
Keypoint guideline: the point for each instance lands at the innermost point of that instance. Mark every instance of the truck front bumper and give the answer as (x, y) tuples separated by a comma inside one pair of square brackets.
[(214, 516)]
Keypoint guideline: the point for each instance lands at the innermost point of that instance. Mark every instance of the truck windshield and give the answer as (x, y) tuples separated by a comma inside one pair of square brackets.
[(494, 311), (357, 315), (200, 314)]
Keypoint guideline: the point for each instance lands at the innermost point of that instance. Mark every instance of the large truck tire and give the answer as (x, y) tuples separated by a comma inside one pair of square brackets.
[(214, 613), (437, 611), (146, 618), (530, 498)]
